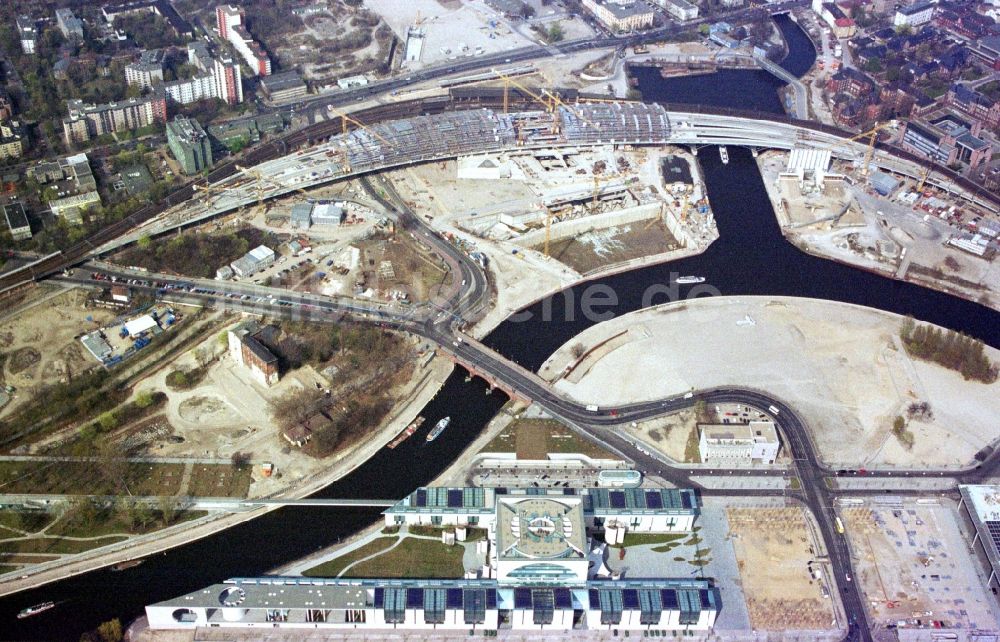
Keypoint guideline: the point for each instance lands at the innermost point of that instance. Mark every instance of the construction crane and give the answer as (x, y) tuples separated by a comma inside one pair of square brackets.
[(548, 99), (923, 179), (872, 135), (548, 227), (344, 119)]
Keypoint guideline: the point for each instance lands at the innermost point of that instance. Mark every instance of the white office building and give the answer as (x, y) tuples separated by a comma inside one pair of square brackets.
[(914, 15), (745, 443)]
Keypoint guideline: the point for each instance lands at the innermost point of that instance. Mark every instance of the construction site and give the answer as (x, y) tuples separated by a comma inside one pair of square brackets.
[(908, 228), (914, 565)]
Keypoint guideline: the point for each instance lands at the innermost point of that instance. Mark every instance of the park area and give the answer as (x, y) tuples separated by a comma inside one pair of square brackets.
[(536, 438)]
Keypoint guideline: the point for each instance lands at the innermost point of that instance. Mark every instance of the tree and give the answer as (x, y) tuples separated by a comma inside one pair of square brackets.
[(110, 631), (144, 242), (144, 399), (578, 350), (240, 459), (556, 33), (168, 509), (898, 424)]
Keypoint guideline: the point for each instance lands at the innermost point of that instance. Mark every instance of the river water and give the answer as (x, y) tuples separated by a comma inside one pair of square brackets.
[(750, 257)]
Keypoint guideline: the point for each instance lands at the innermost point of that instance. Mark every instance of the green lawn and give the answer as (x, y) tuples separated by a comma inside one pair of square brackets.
[(641, 539), (6, 568), (414, 558), (333, 567), (55, 545), (30, 521)]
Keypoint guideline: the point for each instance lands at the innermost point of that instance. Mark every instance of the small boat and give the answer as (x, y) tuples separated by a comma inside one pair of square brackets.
[(406, 434), (127, 564), (35, 610), (724, 155), (690, 279), (438, 429)]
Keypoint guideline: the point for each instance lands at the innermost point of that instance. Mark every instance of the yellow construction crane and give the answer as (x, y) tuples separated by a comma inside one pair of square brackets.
[(872, 135), (923, 179), (259, 177), (344, 119), (548, 227), (548, 99)]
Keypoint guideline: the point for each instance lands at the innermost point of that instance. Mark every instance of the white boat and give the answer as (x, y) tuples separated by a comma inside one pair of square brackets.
[(438, 429), (35, 610), (724, 154), (690, 279)]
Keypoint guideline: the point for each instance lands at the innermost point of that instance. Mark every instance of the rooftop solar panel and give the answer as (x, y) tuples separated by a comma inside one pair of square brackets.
[(414, 598), (454, 599), (564, 599), (616, 499), (455, 498), (630, 599), (379, 598), (491, 598), (421, 497), (522, 598), (686, 500), (669, 599), (654, 499)]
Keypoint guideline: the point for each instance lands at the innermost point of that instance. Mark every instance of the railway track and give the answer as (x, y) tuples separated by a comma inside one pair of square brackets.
[(457, 99)]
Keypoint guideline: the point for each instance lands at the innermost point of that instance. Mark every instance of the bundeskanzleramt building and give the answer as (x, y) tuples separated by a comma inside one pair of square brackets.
[(89, 121), (189, 144), (621, 15), (541, 573)]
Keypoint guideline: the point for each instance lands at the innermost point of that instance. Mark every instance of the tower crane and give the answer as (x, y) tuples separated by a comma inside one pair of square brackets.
[(344, 119), (549, 99), (872, 135)]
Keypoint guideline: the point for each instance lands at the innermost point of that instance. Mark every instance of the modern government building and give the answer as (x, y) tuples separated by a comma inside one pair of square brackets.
[(543, 570)]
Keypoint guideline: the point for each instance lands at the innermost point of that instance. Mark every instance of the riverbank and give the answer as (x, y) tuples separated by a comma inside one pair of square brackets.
[(842, 367), (423, 387), (896, 237)]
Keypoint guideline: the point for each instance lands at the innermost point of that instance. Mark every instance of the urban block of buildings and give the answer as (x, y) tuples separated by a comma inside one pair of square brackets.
[(231, 27), (248, 351), (948, 140), (756, 441), (189, 144), (248, 130), (681, 10), (621, 15), (163, 8), (217, 77), (543, 571), (915, 15), (147, 71), (89, 121), (73, 183)]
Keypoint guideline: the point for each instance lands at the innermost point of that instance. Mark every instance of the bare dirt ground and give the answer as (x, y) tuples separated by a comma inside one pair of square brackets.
[(840, 366), (669, 435), (606, 246), (38, 340), (914, 561), (773, 547)]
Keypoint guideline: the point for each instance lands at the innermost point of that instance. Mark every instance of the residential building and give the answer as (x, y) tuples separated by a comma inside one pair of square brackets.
[(189, 144), (231, 27), (621, 15), (756, 441), (88, 121), (147, 71), (914, 15), (681, 10), (248, 351), (11, 139), (69, 183), (301, 216), (283, 86), (17, 221), (28, 33), (69, 24), (219, 78), (256, 259)]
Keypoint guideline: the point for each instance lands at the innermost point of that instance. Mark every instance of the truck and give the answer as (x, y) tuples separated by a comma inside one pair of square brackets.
[(591, 408), (774, 410), (688, 395), (840, 527)]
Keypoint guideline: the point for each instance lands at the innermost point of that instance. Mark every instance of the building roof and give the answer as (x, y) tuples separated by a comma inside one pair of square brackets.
[(261, 253), (915, 8), (282, 81), (186, 130), (15, 215), (540, 528), (753, 432), (141, 324), (259, 350), (301, 213)]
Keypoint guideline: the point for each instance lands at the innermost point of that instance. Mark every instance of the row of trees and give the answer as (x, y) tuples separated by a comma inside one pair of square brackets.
[(198, 255), (950, 349)]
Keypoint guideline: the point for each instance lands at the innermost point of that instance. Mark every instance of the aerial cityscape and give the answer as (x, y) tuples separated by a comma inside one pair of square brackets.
[(520, 319)]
